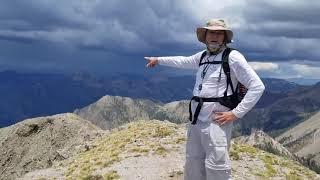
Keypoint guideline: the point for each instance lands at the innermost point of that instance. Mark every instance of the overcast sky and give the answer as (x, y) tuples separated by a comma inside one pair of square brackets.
[(280, 38)]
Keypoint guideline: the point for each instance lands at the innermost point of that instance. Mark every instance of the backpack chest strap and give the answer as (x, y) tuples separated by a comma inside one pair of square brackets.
[(212, 62)]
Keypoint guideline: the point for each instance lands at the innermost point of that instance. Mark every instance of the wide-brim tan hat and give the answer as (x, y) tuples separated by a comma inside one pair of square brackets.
[(214, 24)]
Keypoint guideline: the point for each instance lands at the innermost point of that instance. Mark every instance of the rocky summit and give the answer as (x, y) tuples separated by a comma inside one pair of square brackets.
[(152, 149)]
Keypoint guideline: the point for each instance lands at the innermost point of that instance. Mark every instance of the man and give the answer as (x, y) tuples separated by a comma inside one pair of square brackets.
[(212, 117)]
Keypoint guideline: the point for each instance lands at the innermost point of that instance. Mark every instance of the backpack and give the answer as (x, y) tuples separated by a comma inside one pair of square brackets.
[(237, 93)]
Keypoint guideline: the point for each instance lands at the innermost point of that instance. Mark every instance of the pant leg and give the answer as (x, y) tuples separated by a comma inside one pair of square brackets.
[(195, 155), (219, 174), (215, 140)]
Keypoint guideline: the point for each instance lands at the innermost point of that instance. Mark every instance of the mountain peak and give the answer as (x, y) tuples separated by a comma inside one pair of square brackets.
[(112, 111)]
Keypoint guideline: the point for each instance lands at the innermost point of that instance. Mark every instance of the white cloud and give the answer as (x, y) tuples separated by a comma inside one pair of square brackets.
[(307, 71), (285, 70), (264, 66)]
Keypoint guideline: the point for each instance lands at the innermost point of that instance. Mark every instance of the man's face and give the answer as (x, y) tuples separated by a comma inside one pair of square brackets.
[(215, 37)]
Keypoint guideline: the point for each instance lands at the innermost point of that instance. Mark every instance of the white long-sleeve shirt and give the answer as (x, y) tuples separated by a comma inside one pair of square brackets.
[(240, 71)]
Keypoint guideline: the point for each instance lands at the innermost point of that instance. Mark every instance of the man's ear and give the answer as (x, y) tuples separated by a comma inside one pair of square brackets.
[(205, 35), (225, 37)]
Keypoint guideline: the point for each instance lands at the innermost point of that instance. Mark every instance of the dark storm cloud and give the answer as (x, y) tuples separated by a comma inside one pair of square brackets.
[(296, 19), (281, 30), (95, 34), (105, 25), (80, 34), (39, 15)]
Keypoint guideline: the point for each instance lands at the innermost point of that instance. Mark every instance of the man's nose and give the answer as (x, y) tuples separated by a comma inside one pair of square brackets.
[(214, 37)]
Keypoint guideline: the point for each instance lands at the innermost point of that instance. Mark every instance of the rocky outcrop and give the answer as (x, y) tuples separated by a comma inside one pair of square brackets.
[(263, 141), (39, 142), (177, 111)]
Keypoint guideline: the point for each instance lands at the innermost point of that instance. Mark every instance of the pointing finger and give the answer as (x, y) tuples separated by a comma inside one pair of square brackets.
[(147, 58)]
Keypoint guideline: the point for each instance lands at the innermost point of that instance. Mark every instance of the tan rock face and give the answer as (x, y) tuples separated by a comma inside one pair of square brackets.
[(38, 143), (304, 141)]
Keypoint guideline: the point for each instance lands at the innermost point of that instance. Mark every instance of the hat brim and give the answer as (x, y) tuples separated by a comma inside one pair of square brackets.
[(201, 33)]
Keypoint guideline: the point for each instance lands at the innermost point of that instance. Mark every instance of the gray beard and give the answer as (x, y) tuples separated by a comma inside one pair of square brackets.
[(214, 47)]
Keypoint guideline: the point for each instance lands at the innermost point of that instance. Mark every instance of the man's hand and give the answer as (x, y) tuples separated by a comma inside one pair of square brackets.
[(224, 117), (152, 61)]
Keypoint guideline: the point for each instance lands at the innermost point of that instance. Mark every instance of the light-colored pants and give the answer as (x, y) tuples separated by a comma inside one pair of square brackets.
[(207, 152)]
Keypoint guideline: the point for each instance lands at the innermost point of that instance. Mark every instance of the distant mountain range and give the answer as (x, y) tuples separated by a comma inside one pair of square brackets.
[(300, 104), (304, 81), (32, 95), (27, 95)]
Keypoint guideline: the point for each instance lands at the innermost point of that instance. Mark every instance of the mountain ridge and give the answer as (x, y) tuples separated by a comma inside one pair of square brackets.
[(27, 95)]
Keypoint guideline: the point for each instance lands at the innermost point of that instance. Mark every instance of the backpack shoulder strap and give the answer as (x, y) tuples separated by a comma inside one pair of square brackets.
[(202, 56), (226, 69), (225, 61)]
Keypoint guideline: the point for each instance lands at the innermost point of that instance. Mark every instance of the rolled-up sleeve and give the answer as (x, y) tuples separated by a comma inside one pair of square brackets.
[(187, 62), (249, 78)]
